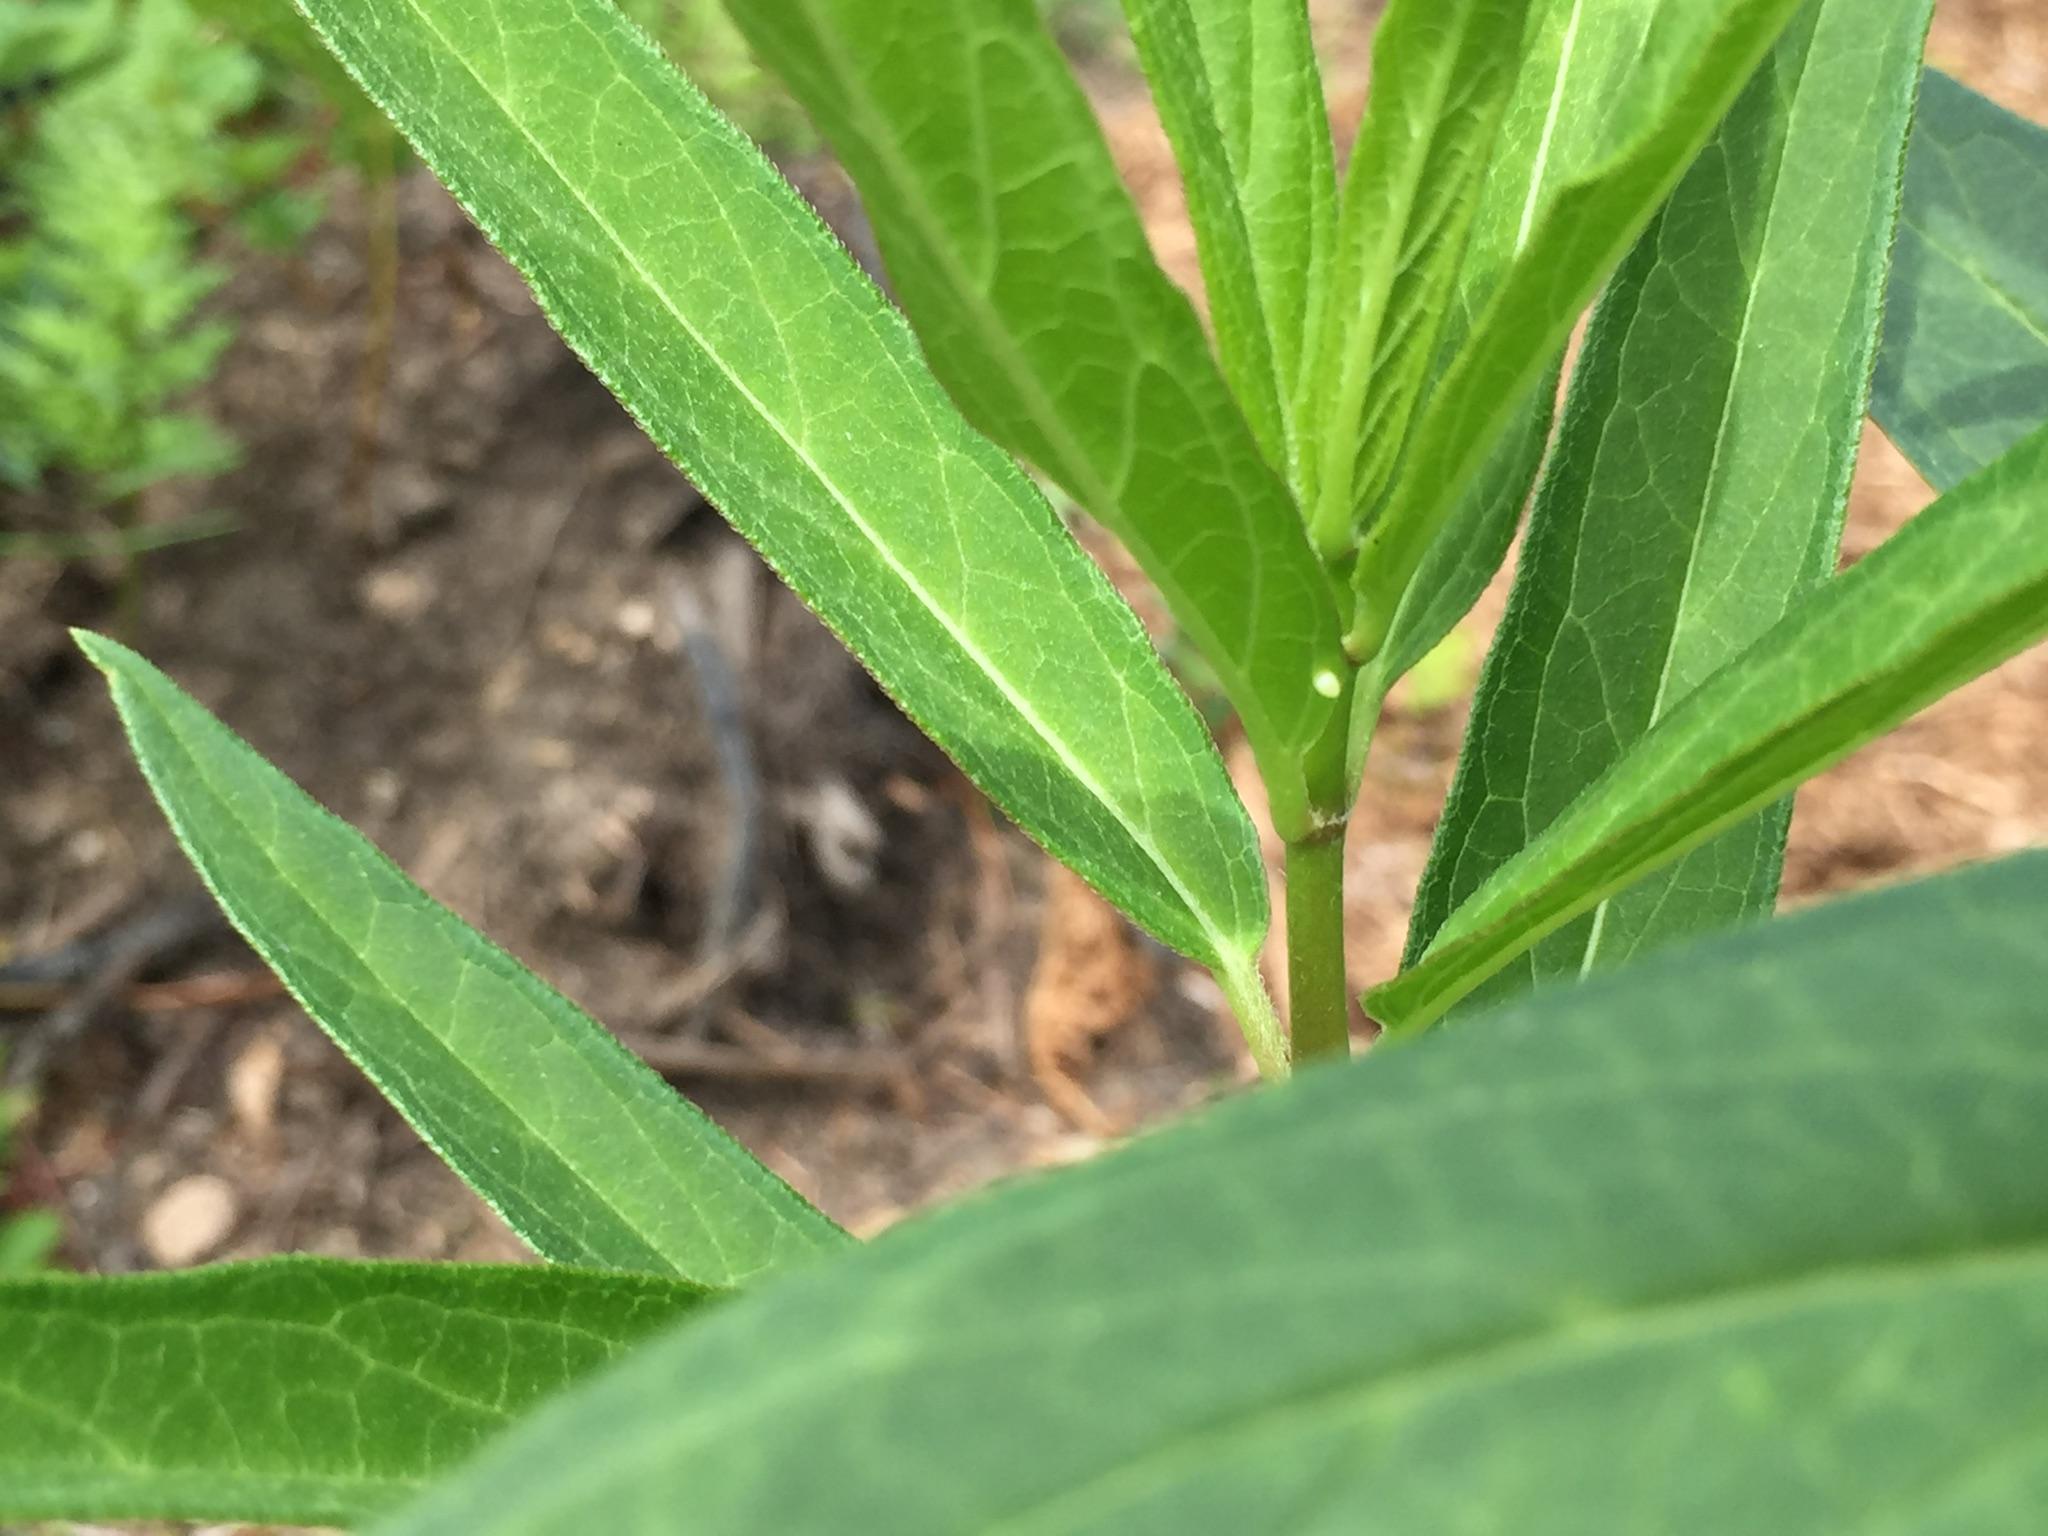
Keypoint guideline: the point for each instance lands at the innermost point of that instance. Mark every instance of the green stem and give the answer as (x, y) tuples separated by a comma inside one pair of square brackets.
[(1249, 1001), (1318, 996), (381, 266)]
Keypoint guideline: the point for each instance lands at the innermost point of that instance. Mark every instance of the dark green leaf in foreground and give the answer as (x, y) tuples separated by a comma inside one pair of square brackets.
[(695, 281), (1699, 484), (1241, 95), (1691, 61), (1963, 373), (1443, 72), (304, 1391), (1956, 591), (1018, 255), (585, 1152), (1750, 1238)]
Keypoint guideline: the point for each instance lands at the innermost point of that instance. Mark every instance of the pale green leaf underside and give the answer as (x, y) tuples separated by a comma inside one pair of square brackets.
[(1017, 253), (590, 1156), (1443, 73), (1695, 57), (1699, 484), (1241, 94), (1956, 591), (1587, 69), (1595, 77), (1963, 373), (1751, 1238), (695, 281), (307, 1392), (1586, 64)]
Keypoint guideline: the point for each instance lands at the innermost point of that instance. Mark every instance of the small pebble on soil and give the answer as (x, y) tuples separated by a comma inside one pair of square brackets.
[(190, 1220)]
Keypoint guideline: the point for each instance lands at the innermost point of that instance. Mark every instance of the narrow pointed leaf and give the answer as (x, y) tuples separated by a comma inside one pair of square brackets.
[(1595, 74), (590, 1156), (1587, 67), (1695, 59), (695, 281), (1017, 253), (1963, 374), (1699, 485), (308, 1392), (1956, 591), (1241, 94), (1443, 72), (1734, 1241), (1461, 564)]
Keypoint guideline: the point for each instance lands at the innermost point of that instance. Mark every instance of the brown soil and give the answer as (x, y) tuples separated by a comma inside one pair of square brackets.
[(828, 939), (485, 669)]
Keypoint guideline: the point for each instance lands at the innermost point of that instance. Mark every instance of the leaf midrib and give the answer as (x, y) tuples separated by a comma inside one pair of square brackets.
[(1076, 470), (999, 345), (1533, 1351), (1539, 168), (345, 1494), (1738, 364), (1342, 440), (1970, 269), (1140, 837)]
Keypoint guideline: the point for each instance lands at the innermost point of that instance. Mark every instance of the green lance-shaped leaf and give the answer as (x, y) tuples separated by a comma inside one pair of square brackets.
[(1751, 1238), (1461, 564), (1588, 68), (1240, 92), (1018, 255), (1956, 591), (590, 1156), (694, 280), (1595, 75), (310, 1392), (1443, 73), (1699, 485), (1692, 60), (1590, 71), (1963, 373), (1573, 56)]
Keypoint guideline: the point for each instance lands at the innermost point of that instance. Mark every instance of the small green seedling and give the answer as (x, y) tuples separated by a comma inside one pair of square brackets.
[(1687, 1221), (28, 1237)]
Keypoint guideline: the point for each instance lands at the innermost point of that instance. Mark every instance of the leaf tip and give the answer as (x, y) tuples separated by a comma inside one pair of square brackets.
[(103, 653)]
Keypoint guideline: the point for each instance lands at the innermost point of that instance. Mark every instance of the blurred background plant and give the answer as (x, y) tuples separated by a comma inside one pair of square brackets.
[(119, 141), (145, 145), (27, 1238), (1090, 29), (700, 37)]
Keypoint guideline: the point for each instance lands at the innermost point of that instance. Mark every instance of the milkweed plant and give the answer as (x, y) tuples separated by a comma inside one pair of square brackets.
[(1648, 1211)]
